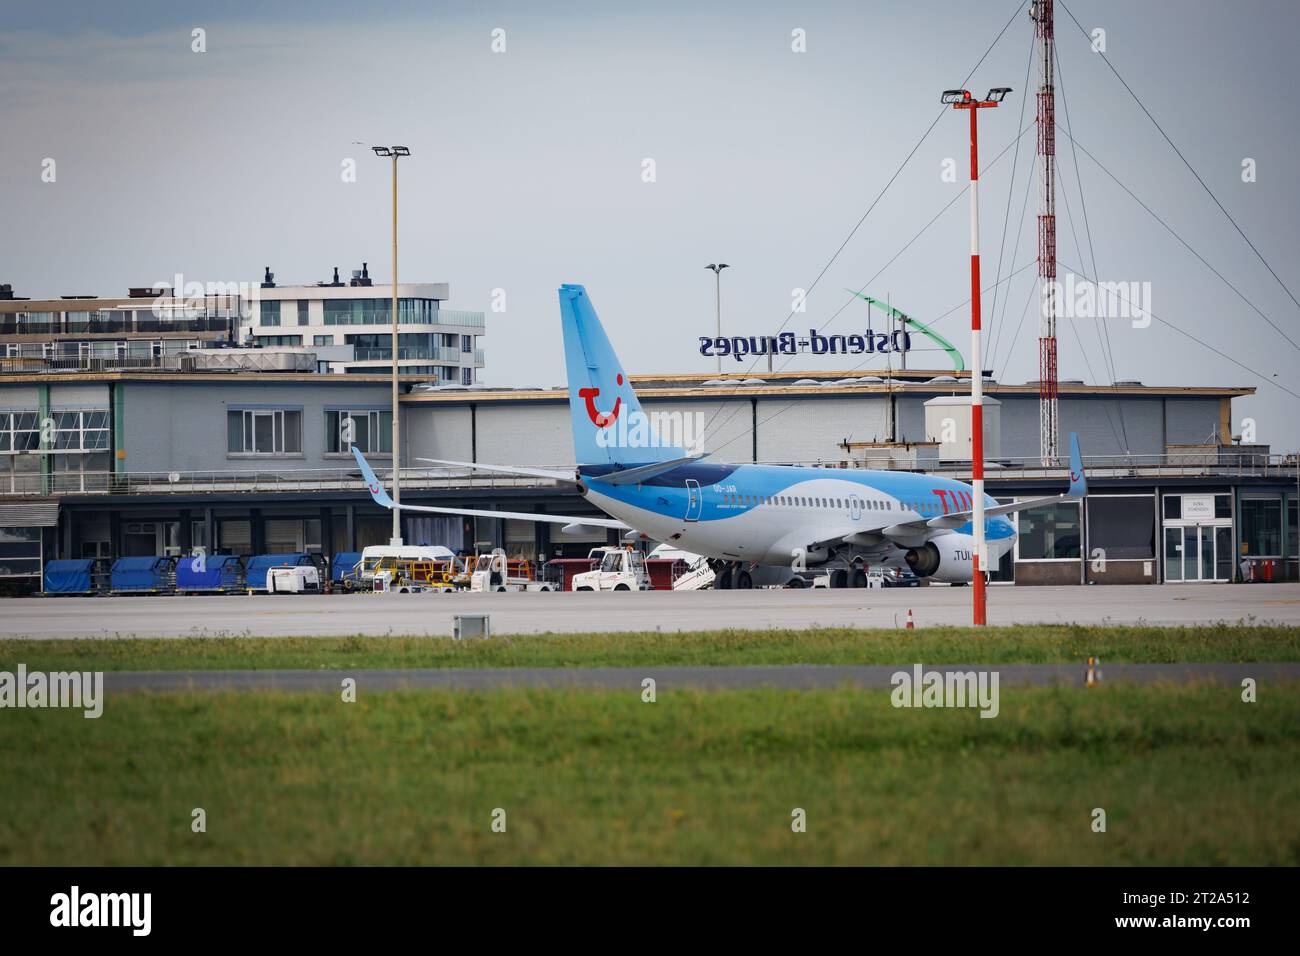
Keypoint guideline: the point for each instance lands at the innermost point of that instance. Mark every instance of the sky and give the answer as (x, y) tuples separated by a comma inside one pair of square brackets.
[(531, 126)]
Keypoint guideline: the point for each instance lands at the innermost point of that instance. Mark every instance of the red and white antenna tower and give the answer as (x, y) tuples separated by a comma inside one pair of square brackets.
[(1048, 427)]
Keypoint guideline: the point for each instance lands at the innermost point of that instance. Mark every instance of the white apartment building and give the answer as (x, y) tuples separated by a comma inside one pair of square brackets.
[(349, 326)]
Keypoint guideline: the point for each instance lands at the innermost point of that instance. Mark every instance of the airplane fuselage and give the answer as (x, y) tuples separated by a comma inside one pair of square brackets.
[(765, 514)]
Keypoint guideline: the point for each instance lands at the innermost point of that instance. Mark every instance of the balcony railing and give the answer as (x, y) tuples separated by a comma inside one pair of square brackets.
[(92, 363), (436, 317), (249, 482), (118, 326), (382, 354), (1226, 463), (1279, 467)]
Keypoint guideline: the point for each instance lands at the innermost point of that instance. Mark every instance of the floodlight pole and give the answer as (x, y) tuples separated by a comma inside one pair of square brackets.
[(395, 152), (716, 268), (962, 100)]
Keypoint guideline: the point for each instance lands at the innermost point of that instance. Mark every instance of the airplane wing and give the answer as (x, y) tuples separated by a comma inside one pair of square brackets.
[(377, 492), (1078, 489), (915, 531), (569, 476)]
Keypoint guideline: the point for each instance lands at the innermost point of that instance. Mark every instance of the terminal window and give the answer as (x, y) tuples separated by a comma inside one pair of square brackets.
[(258, 431), (20, 552), (1049, 533), (85, 430), (1124, 527), (1261, 527), (370, 430), (19, 431)]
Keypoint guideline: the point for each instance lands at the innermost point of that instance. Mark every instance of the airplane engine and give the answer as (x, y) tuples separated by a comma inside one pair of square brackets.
[(946, 558)]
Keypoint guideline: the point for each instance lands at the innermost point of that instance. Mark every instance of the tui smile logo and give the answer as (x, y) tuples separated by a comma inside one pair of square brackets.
[(598, 418)]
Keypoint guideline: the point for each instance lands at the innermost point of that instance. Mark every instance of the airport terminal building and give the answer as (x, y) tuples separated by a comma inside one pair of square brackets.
[(111, 461)]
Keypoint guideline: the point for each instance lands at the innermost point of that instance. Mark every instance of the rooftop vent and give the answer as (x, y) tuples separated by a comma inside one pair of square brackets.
[(268, 279), (361, 276), (336, 281)]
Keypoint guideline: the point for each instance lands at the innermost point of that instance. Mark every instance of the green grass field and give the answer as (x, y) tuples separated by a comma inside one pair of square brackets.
[(994, 645), (1187, 775)]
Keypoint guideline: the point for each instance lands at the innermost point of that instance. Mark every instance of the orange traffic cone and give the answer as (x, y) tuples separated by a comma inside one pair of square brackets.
[(909, 626), (1093, 676)]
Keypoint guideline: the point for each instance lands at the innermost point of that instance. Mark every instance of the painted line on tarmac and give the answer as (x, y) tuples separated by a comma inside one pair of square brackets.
[(786, 677)]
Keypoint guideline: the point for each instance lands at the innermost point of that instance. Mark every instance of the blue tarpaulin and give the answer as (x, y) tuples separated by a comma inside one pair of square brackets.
[(258, 565), (342, 564), (215, 572), (142, 574), (69, 577)]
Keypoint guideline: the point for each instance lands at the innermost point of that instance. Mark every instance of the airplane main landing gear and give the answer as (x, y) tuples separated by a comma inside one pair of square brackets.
[(728, 576)]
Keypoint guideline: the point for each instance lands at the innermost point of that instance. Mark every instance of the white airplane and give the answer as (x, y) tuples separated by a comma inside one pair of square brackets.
[(758, 524)]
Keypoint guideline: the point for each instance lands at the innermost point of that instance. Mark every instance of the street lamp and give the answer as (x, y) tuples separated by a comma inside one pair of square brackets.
[(962, 100), (717, 282), (395, 153)]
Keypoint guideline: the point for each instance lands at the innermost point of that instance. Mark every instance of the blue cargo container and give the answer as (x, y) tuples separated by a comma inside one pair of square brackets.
[(151, 575), (78, 576), (258, 565), (215, 573), (342, 565)]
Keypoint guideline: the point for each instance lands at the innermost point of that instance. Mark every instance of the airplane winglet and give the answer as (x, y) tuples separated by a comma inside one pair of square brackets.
[(373, 484), (1078, 480)]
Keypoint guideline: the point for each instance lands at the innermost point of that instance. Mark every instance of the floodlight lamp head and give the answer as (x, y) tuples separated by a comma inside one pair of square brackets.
[(955, 96), (997, 94)]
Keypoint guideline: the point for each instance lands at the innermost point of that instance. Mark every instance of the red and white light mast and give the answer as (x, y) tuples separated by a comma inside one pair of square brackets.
[(1048, 422), (962, 100)]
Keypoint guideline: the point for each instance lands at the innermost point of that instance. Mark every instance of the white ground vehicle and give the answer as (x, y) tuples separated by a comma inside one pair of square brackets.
[(399, 561), (299, 579), (494, 572), (621, 569), (383, 582)]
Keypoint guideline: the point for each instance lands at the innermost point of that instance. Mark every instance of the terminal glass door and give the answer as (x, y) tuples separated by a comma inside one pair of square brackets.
[(1198, 553)]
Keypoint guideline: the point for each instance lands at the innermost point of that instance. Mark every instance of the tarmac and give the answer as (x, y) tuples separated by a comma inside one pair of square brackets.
[(265, 615), (667, 679)]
